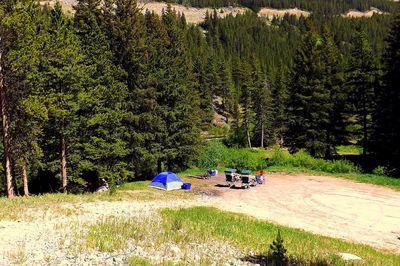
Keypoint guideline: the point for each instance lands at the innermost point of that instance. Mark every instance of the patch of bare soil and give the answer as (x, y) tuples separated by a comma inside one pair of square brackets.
[(193, 15), (359, 14), (49, 239), (271, 12), (328, 206)]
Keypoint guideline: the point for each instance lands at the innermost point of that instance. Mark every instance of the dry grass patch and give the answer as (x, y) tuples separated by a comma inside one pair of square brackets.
[(58, 205)]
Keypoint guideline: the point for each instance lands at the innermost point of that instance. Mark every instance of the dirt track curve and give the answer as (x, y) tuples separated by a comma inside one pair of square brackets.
[(325, 205)]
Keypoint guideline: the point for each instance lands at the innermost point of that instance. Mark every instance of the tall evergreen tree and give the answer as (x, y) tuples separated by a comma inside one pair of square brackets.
[(387, 115), (60, 80), (262, 105), (101, 103), (333, 82), (178, 100), (309, 103), (362, 80), (6, 38)]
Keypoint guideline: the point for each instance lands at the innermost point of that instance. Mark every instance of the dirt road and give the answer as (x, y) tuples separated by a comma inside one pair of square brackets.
[(325, 205)]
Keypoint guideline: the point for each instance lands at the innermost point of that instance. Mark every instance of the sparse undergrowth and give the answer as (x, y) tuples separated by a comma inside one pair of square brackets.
[(59, 204), (202, 226)]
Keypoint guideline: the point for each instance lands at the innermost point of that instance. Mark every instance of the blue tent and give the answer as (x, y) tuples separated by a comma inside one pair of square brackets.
[(166, 181)]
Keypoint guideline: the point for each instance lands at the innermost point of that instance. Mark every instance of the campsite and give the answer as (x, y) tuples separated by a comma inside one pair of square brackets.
[(194, 226), (200, 132)]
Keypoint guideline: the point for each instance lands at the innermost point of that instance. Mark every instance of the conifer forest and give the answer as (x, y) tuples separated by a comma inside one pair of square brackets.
[(112, 92)]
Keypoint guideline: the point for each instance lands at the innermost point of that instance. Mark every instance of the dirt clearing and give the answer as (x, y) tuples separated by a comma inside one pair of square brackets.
[(271, 12), (193, 15), (328, 206), (359, 14)]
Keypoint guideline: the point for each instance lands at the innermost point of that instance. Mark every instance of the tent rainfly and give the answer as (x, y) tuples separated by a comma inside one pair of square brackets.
[(166, 181)]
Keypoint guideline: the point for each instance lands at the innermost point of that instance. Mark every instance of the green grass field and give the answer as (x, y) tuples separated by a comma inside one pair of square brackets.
[(205, 226), (202, 224)]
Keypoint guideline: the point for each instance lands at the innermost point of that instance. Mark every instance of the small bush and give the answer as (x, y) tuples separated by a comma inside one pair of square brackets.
[(213, 155), (380, 170), (244, 159)]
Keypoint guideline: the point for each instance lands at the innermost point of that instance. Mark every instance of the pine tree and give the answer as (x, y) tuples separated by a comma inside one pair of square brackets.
[(387, 110), (262, 105), (178, 101), (362, 80), (60, 81), (333, 81), (6, 38), (279, 101), (101, 103), (309, 103), (278, 249), (28, 110)]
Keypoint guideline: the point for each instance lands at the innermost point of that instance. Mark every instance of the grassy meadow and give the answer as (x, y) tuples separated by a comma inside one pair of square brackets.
[(207, 226)]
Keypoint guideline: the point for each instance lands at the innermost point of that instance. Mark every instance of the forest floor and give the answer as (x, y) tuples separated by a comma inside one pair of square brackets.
[(95, 229)]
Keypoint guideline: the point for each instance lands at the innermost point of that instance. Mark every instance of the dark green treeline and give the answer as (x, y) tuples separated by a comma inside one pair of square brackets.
[(113, 93)]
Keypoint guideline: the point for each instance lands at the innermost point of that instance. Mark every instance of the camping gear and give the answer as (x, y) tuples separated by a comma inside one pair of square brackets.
[(166, 181), (207, 175), (231, 176), (247, 179), (260, 177), (212, 172), (186, 186)]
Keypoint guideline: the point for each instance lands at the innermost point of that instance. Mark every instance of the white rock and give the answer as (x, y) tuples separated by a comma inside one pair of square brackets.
[(348, 256), (175, 250)]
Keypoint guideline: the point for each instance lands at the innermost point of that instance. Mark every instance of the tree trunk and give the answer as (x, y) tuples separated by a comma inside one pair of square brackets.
[(365, 133), (159, 166), (262, 134), (64, 177), (25, 178), (3, 106)]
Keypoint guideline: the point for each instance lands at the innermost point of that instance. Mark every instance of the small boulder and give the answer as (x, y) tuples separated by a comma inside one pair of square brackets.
[(176, 250)]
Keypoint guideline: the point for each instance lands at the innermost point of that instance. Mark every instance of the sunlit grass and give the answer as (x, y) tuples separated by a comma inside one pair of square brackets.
[(207, 226), (393, 183), (59, 204), (349, 150), (203, 224)]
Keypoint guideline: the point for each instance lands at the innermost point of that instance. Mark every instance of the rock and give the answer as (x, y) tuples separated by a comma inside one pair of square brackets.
[(175, 250), (348, 256)]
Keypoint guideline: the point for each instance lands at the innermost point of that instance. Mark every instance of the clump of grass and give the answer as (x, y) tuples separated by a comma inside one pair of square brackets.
[(113, 233), (19, 256), (204, 224), (349, 150), (137, 261)]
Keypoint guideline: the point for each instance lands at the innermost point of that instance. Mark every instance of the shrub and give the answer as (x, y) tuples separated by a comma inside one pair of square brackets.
[(244, 159), (303, 160), (380, 170), (213, 155)]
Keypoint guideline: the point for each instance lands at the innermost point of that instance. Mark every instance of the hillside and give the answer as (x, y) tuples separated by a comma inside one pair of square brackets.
[(196, 14)]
